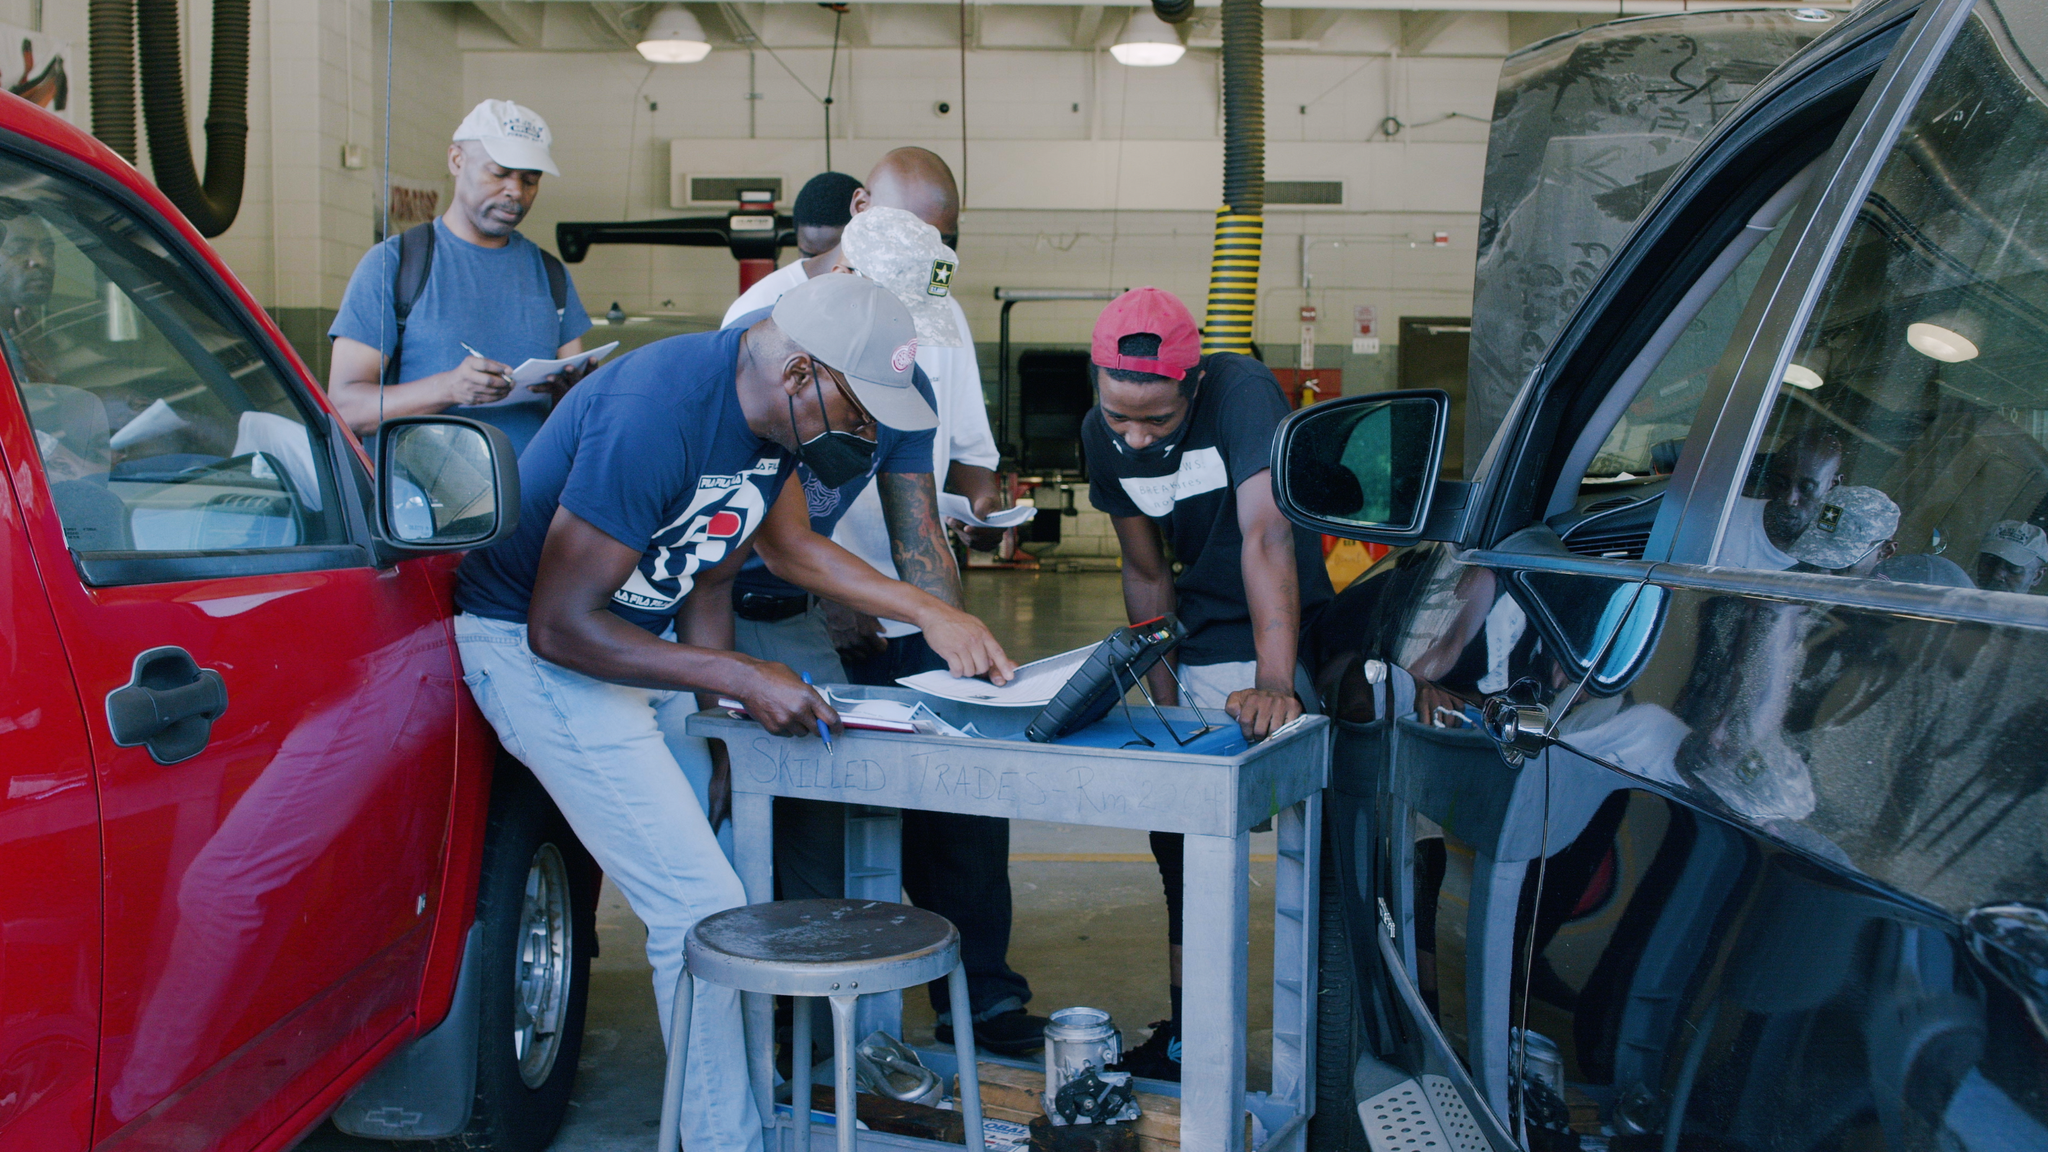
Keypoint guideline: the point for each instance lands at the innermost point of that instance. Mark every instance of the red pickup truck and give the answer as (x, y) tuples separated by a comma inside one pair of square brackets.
[(261, 861)]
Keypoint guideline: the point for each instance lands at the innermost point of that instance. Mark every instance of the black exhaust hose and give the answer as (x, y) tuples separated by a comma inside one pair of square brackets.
[(111, 26), (1240, 223), (1244, 105), (1173, 11), (210, 206)]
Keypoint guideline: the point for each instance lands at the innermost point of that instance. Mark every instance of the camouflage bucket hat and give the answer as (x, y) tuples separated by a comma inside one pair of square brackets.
[(1854, 520), (905, 255)]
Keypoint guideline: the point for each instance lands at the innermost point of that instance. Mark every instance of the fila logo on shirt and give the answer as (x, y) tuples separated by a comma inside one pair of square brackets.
[(1200, 471), (722, 514)]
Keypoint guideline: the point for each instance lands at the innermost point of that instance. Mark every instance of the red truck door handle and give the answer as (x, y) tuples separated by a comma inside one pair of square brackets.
[(168, 705)]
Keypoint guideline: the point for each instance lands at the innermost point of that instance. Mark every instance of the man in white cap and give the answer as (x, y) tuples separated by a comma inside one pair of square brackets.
[(591, 633), (2011, 557), (434, 320)]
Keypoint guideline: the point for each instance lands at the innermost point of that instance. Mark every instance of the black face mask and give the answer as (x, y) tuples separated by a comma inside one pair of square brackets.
[(835, 458), (1157, 452)]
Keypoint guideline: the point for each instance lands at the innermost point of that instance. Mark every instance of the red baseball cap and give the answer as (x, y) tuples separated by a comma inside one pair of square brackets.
[(1155, 312)]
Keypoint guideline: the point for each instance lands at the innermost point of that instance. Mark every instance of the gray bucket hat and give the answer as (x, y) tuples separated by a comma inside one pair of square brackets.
[(905, 255), (1853, 521), (859, 327)]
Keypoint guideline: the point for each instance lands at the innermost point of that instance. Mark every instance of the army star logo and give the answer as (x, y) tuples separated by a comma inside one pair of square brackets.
[(1830, 517), (942, 278)]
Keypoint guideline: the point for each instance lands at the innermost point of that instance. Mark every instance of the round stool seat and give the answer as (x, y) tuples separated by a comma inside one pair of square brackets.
[(822, 947)]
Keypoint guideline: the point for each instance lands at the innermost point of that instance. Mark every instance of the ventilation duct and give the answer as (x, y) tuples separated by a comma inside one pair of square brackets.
[(1240, 223), (121, 31)]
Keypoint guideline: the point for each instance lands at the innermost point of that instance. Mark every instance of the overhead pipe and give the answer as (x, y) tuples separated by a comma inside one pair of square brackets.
[(1240, 223), (211, 205), (1173, 11)]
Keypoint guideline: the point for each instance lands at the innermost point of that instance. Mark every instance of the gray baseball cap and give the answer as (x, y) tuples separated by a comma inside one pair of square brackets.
[(860, 328), (2016, 542), (905, 255), (1853, 521)]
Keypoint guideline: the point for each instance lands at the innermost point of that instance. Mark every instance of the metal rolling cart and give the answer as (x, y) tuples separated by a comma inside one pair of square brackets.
[(1214, 800)]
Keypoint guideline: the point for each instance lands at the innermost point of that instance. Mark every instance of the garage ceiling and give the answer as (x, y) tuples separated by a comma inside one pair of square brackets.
[(1346, 27)]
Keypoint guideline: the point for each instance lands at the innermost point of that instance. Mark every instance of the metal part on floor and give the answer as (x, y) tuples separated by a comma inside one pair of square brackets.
[(1213, 800), (1421, 1115)]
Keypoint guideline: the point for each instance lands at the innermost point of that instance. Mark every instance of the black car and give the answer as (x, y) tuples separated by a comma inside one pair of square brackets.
[(1691, 788)]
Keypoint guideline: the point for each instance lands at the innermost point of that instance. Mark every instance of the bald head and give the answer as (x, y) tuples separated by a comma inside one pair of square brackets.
[(917, 181)]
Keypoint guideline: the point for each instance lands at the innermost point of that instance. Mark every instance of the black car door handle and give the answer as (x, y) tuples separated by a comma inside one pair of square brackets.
[(168, 705)]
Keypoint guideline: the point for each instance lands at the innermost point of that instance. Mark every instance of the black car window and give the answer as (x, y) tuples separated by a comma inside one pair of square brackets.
[(1644, 444), (160, 425), (1908, 440)]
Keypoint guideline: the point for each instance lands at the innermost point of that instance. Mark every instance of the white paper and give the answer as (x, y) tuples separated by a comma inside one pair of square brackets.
[(153, 421), (284, 440), (1035, 685), (956, 507), (535, 371)]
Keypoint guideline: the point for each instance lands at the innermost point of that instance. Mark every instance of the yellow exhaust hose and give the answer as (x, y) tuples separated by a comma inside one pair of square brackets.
[(1233, 282)]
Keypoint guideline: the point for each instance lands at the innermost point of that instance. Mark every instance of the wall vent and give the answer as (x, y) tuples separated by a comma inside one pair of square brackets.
[(1304, 192), (727, 189)]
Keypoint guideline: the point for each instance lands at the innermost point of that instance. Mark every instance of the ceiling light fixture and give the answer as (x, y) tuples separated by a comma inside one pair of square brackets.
[(1147, 41), (1940, 342), (674, 37), (1800, 376)]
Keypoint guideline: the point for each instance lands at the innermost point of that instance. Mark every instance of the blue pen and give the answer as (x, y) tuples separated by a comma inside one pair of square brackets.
[(824, 733)]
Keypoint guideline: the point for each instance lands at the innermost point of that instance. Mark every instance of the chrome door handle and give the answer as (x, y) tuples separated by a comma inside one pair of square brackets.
[(2011, 940), (168, 705), (1518, 728)]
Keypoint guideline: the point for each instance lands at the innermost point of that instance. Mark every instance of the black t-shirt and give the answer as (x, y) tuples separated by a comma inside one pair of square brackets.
[(1192, 496)]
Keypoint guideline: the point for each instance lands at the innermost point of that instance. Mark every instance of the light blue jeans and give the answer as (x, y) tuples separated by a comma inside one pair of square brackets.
[(617, 764)]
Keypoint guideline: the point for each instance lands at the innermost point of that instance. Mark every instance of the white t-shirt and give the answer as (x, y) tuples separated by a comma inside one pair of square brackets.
[(963, 434), (1746, 545)]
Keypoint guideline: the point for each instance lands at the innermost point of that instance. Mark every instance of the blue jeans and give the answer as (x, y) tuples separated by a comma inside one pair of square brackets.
[(633, 786), (955, 865)]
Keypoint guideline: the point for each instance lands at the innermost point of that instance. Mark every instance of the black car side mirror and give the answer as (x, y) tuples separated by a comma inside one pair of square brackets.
[(1363, 467), (444, 484)]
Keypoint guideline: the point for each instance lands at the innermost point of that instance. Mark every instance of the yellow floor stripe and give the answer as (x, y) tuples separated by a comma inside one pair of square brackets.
[(1099, 858)]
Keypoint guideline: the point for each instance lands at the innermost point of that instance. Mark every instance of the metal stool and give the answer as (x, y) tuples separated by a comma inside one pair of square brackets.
[(838, 949)]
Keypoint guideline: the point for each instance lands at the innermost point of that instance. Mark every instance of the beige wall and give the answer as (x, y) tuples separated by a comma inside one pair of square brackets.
[(317, 83), (615, 152)]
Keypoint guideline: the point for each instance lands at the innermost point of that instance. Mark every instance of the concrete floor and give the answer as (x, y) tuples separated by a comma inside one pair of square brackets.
[(1089, 928)]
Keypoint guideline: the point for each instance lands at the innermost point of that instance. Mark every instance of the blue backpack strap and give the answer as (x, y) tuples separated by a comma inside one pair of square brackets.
[(415, 262)]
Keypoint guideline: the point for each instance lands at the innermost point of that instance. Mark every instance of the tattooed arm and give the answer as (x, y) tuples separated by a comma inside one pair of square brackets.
[(917, 542)]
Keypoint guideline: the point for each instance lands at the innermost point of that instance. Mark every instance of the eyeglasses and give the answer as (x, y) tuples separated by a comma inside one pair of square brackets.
[(839, 382)]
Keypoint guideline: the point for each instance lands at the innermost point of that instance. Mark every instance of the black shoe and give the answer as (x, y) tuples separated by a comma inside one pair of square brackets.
[(1158, 1058), (1012, 1033)]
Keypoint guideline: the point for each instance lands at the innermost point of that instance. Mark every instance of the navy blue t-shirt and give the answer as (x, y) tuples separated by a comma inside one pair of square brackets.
[(653, 451), (894, 452), (494, 299)]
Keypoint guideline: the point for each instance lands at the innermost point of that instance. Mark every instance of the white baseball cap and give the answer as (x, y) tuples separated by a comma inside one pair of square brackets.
[(515, 136)]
